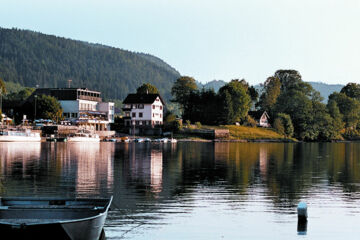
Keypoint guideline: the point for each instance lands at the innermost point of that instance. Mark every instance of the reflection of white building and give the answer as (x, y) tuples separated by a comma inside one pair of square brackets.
[(13, 153), (148, 169), (82, 107), (263, 159), (156, 172), (94, 166)]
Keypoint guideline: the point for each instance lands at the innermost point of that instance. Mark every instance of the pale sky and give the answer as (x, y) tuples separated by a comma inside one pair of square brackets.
[(211, 39)]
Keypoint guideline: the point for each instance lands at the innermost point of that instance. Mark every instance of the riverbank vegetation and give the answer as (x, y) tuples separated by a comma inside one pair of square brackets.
[(295, 109)]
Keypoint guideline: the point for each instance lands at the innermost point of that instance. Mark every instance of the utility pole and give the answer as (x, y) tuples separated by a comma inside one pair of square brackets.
[(35, 109)]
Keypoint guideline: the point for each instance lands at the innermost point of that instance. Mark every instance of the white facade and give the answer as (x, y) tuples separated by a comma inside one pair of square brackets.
[(145, 114), (109, 108)]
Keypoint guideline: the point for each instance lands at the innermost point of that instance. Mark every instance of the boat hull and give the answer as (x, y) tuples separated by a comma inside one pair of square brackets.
[(81, 230), (83, 139), (19, 139), (78, 222)]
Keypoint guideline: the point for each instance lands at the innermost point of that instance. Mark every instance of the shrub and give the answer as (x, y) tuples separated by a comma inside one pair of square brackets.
[(284, 121), (198, 125), (279, 127), (250, 122)]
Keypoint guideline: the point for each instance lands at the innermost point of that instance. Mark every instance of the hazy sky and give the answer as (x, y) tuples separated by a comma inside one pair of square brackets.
[(211, 39)]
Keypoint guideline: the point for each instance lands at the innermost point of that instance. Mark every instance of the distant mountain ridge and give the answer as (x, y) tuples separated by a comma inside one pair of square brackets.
[(31, 58)]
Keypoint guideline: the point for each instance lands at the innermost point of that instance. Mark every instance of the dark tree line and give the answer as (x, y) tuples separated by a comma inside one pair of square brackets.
[(229, 105)]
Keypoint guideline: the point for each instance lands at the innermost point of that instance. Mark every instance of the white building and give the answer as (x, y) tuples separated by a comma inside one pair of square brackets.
[(143, 110), (82, 107)]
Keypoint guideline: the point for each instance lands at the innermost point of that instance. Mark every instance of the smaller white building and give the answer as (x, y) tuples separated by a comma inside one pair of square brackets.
[(143, 110)]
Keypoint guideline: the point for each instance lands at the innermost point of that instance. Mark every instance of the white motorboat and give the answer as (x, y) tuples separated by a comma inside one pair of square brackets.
[(83, 137), (19, 136)]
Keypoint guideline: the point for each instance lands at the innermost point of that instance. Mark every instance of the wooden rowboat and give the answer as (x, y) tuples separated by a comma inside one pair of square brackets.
[(53, 218)]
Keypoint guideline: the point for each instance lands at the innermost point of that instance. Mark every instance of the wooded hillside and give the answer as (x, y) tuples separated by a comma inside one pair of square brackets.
[(31, 58)]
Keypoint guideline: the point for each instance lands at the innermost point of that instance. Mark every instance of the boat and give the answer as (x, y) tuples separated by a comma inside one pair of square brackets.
[(53, 218), (139, 140), (172, 140), (19, 135), (83, 137)]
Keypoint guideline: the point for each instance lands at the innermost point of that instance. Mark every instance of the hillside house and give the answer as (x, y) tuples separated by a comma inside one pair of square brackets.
[(262, 118), (143, 111)]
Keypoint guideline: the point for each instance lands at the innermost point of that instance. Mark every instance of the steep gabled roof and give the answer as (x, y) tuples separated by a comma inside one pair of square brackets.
[(134, 98), (258, 114)]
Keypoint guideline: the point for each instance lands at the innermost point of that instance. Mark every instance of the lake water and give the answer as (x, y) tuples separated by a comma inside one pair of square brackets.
[(198, 190)]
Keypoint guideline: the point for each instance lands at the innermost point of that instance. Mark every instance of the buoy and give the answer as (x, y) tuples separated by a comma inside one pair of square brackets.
[(302, 218), (302, 212)]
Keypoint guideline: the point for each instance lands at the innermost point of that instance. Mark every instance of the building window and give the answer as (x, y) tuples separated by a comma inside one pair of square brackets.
[(153, 114), (140, 114), (141, 106), (133, 114), (160, 107), (160, 115), (153, 106)]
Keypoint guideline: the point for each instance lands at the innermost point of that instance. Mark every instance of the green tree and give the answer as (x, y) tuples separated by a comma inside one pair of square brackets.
[(48, 107), (301, 102), (182, 89), (349, 108), (2, 87), (236, 101), (270, 94), (147, 88), (337, 118), (351, 90), (284, 124)]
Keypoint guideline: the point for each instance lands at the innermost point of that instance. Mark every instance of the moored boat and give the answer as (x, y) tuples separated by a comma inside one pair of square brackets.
[(172, 140), (22, 135), (83, 137), (53, 218)]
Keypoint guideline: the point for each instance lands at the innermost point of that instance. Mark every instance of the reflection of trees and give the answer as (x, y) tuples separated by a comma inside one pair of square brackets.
[(284, 173)]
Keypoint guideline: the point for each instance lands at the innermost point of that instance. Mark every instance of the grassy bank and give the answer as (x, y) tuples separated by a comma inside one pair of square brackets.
[(253, 133), (240, 133)]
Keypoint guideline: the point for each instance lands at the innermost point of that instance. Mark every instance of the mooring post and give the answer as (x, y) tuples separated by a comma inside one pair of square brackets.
[(302, 212), (302, 218)]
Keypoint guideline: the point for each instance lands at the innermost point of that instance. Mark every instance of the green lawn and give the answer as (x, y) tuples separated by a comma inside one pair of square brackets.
[(252, 133)]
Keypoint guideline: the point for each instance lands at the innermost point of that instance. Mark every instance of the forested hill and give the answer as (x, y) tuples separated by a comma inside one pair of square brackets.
[(31, 58)]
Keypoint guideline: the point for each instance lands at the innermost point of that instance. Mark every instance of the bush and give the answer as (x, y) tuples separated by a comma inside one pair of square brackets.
[(250, 122), (198, 125), (176, 126), (284, 124), (188, 123), (279, 127)]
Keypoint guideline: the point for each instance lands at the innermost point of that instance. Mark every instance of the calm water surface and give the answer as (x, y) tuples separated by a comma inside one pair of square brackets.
[(198, 190)]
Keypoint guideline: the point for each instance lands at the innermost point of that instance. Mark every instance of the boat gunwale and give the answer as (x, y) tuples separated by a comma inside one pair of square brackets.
[(104, 212)]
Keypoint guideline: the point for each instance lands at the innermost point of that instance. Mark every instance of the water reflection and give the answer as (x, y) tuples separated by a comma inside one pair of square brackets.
[(242, 183), (197, 189), (60, 169)]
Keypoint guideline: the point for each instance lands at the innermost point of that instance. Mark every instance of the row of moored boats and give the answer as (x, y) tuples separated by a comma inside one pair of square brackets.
[(26, 135)]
